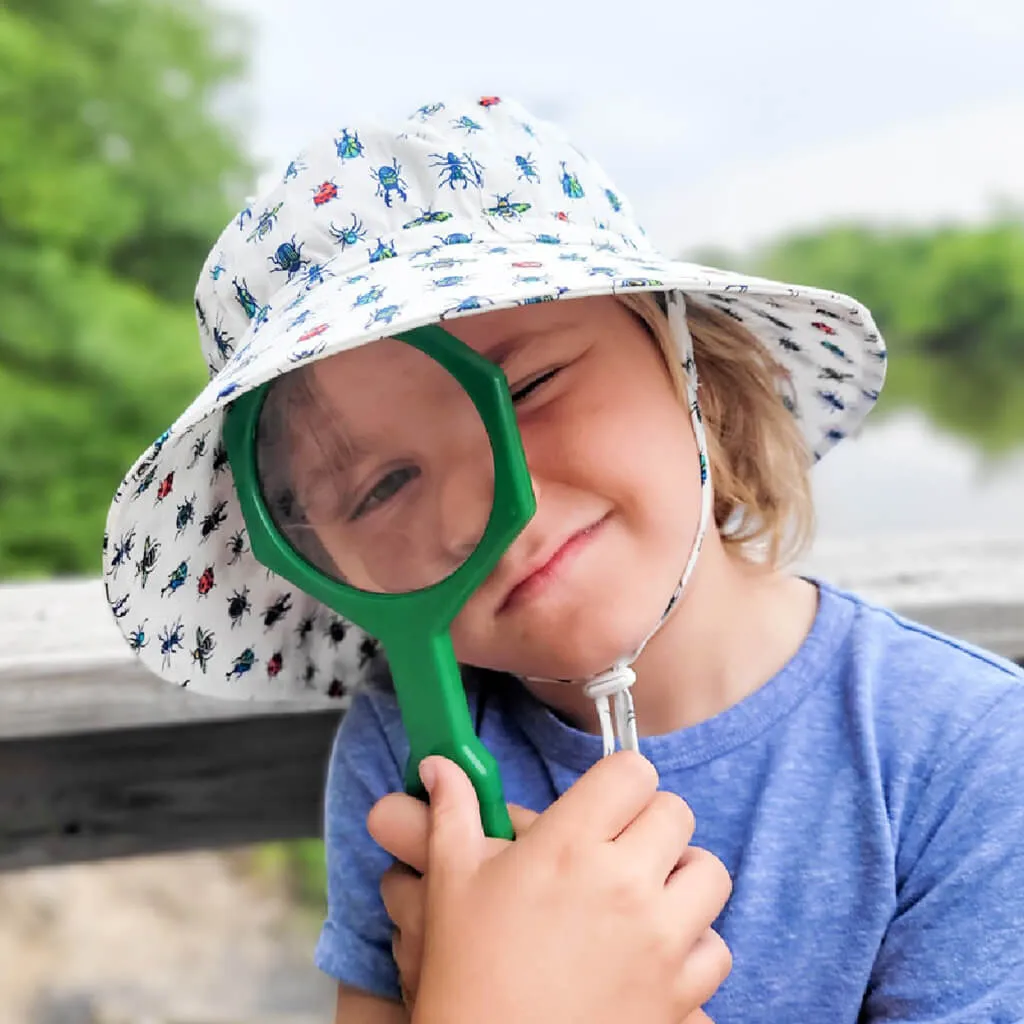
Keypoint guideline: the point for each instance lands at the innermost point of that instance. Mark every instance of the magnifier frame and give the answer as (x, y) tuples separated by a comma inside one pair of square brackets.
[(413, 628)]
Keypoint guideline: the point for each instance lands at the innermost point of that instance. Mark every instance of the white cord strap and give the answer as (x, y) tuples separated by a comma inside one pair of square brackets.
[(615, 684)]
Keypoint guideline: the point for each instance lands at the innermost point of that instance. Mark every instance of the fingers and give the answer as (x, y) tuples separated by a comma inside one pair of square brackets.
[(400, 824), (522, 818), (707, 966), (404, 895), (700, 886), (658, 837), (601, 803), (456, 843)]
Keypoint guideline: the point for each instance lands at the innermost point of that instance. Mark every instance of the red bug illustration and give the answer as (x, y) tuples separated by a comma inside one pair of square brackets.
[(324, 193)]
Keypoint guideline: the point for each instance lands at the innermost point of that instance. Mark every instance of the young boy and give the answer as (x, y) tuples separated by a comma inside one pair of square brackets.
[(860, 777)]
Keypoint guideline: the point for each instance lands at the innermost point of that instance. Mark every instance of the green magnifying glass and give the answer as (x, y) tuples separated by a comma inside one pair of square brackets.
[(387, 481)]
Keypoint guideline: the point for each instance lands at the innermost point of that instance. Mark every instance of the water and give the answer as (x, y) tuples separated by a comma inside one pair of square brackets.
[(903, 475)]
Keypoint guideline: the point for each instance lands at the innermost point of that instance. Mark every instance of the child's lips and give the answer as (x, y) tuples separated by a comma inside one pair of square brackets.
[(537, 578)]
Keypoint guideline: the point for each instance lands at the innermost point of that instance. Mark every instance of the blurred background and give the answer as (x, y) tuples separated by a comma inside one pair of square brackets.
[(874, 149)]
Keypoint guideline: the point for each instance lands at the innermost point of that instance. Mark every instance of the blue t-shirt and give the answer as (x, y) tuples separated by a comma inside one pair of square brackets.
[(868, 802)]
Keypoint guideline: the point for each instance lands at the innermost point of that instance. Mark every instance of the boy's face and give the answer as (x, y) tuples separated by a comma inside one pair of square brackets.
[(611, 454)]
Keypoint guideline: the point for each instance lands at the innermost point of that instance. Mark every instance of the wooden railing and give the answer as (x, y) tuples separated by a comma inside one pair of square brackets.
[(99, 759)]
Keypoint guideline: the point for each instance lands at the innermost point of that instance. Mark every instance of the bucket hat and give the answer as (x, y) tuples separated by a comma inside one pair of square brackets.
[(375, 228)]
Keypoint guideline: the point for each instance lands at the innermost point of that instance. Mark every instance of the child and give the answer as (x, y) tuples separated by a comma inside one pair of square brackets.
[(861, 777)]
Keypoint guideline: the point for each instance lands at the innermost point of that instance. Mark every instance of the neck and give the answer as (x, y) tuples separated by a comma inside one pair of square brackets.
[(734, 628)]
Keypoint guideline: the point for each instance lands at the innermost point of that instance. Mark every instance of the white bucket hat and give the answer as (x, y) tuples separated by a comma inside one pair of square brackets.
[(377, 228)]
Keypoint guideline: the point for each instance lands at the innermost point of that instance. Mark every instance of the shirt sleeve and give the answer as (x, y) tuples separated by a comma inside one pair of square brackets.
[(355, 942), (954, 950)]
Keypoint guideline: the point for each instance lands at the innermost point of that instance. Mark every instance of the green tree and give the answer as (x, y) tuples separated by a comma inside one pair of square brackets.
[(116, 174), (950, 302)]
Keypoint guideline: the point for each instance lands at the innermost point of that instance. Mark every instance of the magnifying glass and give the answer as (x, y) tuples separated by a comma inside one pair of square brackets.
[(387, 481)]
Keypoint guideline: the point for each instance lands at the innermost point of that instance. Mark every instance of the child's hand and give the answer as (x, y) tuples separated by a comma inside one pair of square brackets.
[(603, 888), (401, 825)]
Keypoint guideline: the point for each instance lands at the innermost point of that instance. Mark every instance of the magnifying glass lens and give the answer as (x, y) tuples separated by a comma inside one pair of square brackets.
[(376, 467)]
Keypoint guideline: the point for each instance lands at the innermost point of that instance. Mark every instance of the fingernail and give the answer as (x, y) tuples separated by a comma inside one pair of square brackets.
[(428, 774)]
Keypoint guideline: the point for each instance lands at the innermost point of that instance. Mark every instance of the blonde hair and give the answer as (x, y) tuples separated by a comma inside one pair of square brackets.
[(759, 461)]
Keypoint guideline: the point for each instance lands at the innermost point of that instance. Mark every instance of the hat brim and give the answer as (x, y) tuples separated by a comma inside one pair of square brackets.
[(187, 593)]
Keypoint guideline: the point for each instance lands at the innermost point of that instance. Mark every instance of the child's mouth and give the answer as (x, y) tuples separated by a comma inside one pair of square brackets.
[(539, 579)]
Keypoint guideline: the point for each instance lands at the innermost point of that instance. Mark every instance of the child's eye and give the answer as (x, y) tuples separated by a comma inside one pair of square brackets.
[(385, 489), (524, 391)]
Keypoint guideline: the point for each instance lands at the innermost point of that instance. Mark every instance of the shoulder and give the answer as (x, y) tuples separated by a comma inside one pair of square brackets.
[(894, 662), (931, 707)]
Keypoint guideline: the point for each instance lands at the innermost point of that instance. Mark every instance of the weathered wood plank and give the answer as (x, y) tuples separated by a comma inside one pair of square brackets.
[(100, 759)]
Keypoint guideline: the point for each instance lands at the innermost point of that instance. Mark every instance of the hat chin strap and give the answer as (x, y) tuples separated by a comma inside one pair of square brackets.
[(610, 690)]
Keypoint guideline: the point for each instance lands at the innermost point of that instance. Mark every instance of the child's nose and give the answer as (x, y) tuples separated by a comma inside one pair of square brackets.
[(465, 501)]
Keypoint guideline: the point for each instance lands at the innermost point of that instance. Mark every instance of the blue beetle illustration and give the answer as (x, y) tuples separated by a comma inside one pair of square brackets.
[(316, 274), (300, 319), (186, 514), (292, 170), (429, 216), (242, 664), (834, 435), (137, 638), (244, 217), (301, 355), (831, 346), (571, 183), (428, 110), (389, 179), (369, 297), (532, 279), (528, 128), (218, 268), (236, 545), (789, 345), (448, 282), (572, 257), (228, 390), (288, 257), (348, 146), (119, 608), (383, 251), (455, 169), (527, 168), (384, 315), (265, 224), (832, 400), (350, 235), (144, 484), (176, 579), (203, 648), (467, 123), (547, 239), (506, 209), (253, 310), (467, 305), (455, 238), (613, 200), (170, 640)]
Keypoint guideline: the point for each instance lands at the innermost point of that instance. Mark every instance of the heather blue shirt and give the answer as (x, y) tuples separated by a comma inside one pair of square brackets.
[(868, 802)]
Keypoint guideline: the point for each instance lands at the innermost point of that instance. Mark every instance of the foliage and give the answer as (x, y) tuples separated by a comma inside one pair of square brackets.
[(114, 178), (950, 302)]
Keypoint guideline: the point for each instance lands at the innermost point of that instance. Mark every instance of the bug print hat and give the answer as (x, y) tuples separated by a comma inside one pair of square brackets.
[(379, 227)]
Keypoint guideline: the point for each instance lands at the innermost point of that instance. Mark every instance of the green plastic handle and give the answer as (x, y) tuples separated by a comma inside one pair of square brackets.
[(413, 628), (432, 699)]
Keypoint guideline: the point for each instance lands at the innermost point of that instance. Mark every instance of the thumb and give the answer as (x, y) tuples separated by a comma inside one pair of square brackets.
[(522, 818), (457, 841)]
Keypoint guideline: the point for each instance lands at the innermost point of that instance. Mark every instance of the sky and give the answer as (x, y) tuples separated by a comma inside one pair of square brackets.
[(726, 123)]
